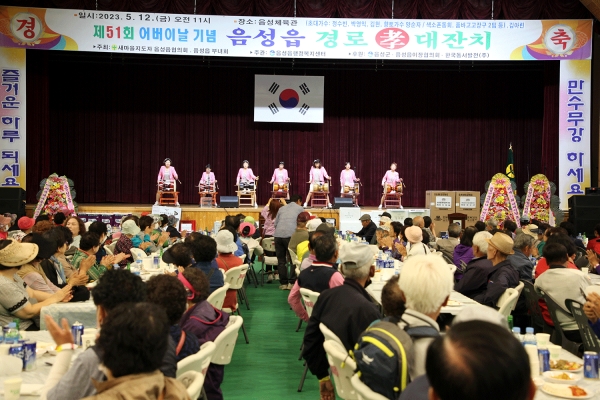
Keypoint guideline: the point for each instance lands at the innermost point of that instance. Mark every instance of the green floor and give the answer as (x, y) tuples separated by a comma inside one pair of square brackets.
[(268, 367)]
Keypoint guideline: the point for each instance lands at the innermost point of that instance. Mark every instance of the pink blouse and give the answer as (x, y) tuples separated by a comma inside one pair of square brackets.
[(245, 174), (390, 177), (317, 175), (347, 177), (207, 178), (269, 226), (280, 177), (162, 171)]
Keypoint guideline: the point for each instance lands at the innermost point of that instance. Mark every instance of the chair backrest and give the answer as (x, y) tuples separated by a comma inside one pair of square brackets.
[(242, 257), (342, 368), (111, 246), (590, 340), (507, 301), (198, 362), (108, 251), (452, 268), (137, 254), (363, 392), (235, 276), (328, 334), (268, 244), (310, 298), (553, 308), (225, 342), (519, 288), (533, 306), (446, 258), (193, 382), (217, 298), (294, 257)]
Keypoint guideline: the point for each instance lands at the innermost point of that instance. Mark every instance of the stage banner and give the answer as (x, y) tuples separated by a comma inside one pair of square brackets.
[(286, 98), (12, 117), (574, 147), (330, 38)]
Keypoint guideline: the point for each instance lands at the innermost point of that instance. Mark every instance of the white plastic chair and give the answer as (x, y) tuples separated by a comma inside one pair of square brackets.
[(452, 268), (310, 298), (235, 277), (111, 246), (225, 342), (268, 244), (243, 257), (217, 298), (193, 382), (295, 261), (342, 368), (519, 288), (198, 362), (508, 301), (363, 392), (329, 335), (137, 254), (108, 251)]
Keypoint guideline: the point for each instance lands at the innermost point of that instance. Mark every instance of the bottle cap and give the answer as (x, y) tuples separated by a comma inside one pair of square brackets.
[(12, 325), (529, 330), (516, 329)]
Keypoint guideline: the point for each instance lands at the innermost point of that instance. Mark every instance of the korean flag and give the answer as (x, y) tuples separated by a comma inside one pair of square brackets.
[(284, 98)]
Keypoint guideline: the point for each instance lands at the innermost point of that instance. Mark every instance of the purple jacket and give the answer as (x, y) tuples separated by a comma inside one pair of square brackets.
[(204, 321), (461, 253)]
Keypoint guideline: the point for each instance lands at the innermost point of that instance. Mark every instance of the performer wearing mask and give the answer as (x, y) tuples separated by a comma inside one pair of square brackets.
[(166, 180), (280, 177), (317, 175), (390, 178)]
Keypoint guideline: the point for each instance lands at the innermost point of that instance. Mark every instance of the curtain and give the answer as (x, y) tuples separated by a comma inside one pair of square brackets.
[(109, 125)]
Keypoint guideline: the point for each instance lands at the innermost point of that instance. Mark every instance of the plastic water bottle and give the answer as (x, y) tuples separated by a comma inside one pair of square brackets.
[(12, 334), (580, 237), (529, 337), (517, 333)]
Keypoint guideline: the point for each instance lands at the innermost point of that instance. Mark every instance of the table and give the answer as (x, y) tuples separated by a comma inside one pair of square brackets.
[(595, 279), (84, 312)]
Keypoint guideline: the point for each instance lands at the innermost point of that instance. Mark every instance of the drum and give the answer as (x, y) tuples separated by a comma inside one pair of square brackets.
[(356, 188), (166, 186), (275, 187), (346, 189), (248, 186), (387, 189), (316, 187), (325, 187), (206, 188), (285, 187), (399, 188)]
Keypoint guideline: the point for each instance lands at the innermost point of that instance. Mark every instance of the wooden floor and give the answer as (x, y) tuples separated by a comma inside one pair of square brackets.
[(268, 367)]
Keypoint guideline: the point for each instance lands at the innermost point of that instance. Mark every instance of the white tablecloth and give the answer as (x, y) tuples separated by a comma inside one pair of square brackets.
[(84, 312)]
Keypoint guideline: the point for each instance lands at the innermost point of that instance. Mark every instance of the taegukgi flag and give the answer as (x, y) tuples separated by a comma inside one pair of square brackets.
[(286, 98)]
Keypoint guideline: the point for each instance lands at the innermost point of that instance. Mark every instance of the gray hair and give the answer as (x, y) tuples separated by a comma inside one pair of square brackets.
[(480, 240), (523, 240), (492, 222), (454, 230), (356, 273), (383, 230)]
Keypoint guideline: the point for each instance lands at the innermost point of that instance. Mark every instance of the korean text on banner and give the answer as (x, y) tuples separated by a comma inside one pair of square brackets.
[(574, 129), (12, 117)]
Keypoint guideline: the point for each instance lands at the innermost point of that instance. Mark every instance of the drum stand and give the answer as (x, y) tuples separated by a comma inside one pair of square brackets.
[(169, 197), (319, 200), (393, 200), (247, 197)]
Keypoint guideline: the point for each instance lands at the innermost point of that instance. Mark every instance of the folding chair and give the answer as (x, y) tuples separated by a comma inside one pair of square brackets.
[(553, 308), (235, 277), (533, 306), (225, 342), (507, 302), (198, 362), (268, 244), (363, 392), (590, 340), (217, 298), (309, 298), (342, 368)]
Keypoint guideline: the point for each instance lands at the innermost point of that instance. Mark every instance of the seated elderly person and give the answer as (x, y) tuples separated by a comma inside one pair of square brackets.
[(247, 233), (84, 259), (128, 240), (478, 270), (167, 292), (132, 344), (426, 283), (350, 300), (301, 233), (368, 228), (503, 275), (25, 225), (463, 252), (205, 322), (524, 248), (446, 246), (392, 301), (302, 250), (204, 250), (429, 226), (32, 273), (117, 287), (15, 294), (415, 245), (591, 308), (55, 268), (101, 230), (146, 235), (383, 240), (491, 224), (319, 276)]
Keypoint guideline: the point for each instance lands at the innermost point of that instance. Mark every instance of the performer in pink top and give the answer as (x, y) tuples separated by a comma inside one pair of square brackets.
[(166, 178), (390, 178), (208, 178), (347, 177), (245, 177), (318, 175), (280, 177)]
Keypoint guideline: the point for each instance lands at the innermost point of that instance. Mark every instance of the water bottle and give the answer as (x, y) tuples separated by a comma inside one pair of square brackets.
[(11, 336), (529, 337), (580, 237), (509, 319), (517, 333), (584, 239)]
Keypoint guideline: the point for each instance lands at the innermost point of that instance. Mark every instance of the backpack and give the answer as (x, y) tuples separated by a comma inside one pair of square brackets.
[(383, 353)]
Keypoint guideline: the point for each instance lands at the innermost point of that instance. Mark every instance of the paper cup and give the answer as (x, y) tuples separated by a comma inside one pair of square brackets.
[(543, 339), (88, 340), (12, 388), (554, 351)]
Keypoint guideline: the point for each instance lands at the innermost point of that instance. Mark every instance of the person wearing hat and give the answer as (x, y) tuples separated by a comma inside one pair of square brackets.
[(301, 233), (253, 222), (346, 310), (226, 260), (25, 224), (415, 245), (368, 228), (317, 175), (15, 294), (503, 275), (173, 232), (167, 174), (5, 223), (247, 231), (280, 177), (129, 232), (208, 178), (303, 248)]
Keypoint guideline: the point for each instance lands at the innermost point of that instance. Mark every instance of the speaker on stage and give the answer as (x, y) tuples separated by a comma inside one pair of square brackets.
[(342, 202), (228, 202), (592, 191), (583, 212), (12, 200)]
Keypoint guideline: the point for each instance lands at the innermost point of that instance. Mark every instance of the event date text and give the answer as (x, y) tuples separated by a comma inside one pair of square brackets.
[(144, 17)]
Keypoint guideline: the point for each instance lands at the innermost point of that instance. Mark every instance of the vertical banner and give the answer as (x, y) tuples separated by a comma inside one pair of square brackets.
[(574, 148), (12, 117)]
